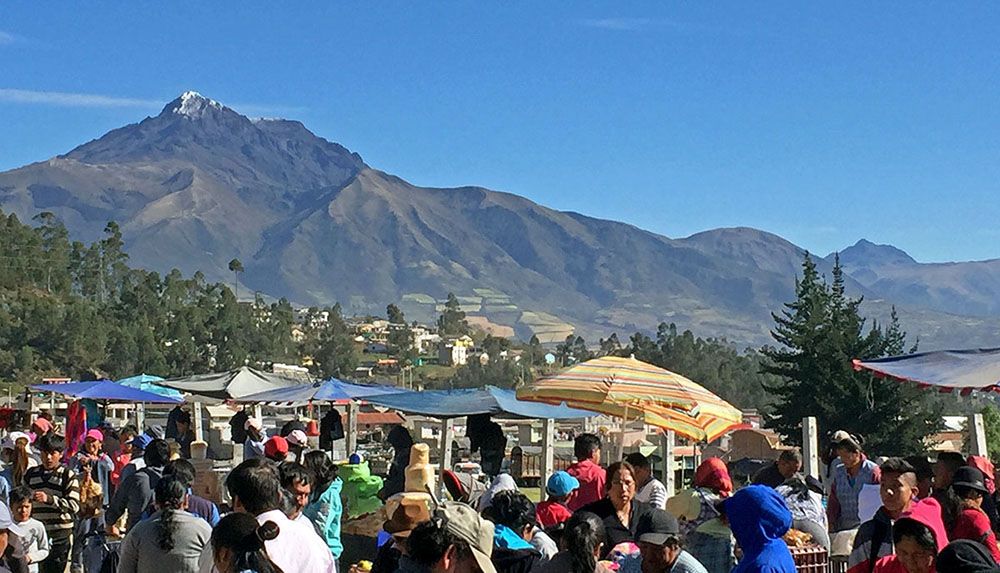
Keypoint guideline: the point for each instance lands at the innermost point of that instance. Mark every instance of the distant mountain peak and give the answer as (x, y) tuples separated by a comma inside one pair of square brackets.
[(192, 104), (867, 253)]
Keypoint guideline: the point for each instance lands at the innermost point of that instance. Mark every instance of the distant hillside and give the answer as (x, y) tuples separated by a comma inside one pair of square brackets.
[(199, 185)]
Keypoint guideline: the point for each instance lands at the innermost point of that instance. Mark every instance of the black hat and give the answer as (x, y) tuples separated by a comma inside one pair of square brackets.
[(656, 527), (971, 478), (814, 485), (964, 555)]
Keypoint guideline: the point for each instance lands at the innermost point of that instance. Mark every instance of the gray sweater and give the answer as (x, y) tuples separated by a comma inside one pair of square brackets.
[(141, 553)]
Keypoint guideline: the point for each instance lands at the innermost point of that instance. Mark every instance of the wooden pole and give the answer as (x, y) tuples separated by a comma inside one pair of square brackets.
[(977, 436), (548, 453), (199, 427), (352, 428), (810, 447), (140, 416), (447, 433)]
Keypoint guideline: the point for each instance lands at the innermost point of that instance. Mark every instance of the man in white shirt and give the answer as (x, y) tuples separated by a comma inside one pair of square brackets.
[(255, 487), (647, 488)]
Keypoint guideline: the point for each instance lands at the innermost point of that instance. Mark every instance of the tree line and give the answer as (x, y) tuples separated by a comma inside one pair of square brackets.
[(73, 309)]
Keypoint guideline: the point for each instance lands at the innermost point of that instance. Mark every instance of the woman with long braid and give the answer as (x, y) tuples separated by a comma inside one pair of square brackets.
[(171, 539), (238, 545)]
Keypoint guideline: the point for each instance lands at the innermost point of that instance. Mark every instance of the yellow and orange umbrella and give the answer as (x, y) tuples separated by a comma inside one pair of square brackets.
[(634, 390)]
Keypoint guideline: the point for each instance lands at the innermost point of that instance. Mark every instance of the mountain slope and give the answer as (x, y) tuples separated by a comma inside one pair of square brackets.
[(199, 184)]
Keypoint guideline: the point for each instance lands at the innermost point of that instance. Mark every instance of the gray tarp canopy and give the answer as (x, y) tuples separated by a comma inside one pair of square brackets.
[(231, 385)]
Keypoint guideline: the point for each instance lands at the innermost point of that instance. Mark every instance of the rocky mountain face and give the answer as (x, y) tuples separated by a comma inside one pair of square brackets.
[(200, 184)]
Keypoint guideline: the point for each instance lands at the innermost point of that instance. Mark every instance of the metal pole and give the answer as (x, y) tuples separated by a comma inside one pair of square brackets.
[(548, 453), (667, 440), (140, 416)]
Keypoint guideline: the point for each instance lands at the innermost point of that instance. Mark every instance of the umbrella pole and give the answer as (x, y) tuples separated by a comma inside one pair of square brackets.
[(621, 443)]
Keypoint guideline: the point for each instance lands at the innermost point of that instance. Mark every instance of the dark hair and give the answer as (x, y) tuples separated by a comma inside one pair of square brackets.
[(157, 453), (849, 445), (792, 455), (52, 443), (240, 534), (181, 469), (953, 460), (964, 492), (615, 468), (184, 417), (512, 509), (900, 467), (255, 483), (429, 541), (399, 438), (582, 533), (292, 473), (921, 466), (170, 493), (585, 445), (20, 494), (918, 532), (129, 429), (638, 460), (324, 470), (896, 466)]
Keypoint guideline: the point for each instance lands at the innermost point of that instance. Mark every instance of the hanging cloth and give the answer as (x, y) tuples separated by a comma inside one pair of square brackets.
[(76, 428)]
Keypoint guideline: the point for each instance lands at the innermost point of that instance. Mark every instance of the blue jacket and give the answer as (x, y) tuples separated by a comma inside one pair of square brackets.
[(325, 513), (759, 518)]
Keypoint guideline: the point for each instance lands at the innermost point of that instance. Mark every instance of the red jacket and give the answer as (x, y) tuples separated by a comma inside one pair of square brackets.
[(974, 525), (591, 477)]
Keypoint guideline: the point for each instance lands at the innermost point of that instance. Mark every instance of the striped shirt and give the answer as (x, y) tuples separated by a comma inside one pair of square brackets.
[(63, 490)]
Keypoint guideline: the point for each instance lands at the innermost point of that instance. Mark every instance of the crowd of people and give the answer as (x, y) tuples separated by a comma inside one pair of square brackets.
[(62, 505), (63, 508), (927, 517)]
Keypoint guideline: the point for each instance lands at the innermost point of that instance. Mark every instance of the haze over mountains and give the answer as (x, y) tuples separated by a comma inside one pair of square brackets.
[(200, 184)]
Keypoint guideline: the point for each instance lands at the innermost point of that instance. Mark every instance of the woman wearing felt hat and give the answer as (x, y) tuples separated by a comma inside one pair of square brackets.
[(972, 522)]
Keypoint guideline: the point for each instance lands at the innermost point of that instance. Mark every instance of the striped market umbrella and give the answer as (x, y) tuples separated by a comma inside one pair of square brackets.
[(634, 390)]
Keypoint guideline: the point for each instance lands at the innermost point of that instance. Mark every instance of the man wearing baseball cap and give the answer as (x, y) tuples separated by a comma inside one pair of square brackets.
[(138, 446), (560, 488), (455, 540), (276, 449), (659, 537)]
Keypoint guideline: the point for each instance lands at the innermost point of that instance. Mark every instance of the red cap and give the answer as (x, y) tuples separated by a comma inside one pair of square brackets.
[(42, 424), (276, 448)]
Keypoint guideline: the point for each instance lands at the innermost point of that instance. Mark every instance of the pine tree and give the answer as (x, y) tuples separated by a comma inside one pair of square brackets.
[(820, 333)]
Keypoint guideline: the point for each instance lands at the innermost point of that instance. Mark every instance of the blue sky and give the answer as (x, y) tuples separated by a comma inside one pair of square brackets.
[(821, 126)]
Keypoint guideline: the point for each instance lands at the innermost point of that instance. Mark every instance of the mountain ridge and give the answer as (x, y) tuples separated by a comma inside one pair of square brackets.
[(200, 184)]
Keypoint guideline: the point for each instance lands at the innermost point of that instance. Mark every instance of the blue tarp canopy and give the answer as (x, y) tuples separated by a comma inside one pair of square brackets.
[(105, 390), (331, 389), (148, 383), (466, 402), (946, 370)]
